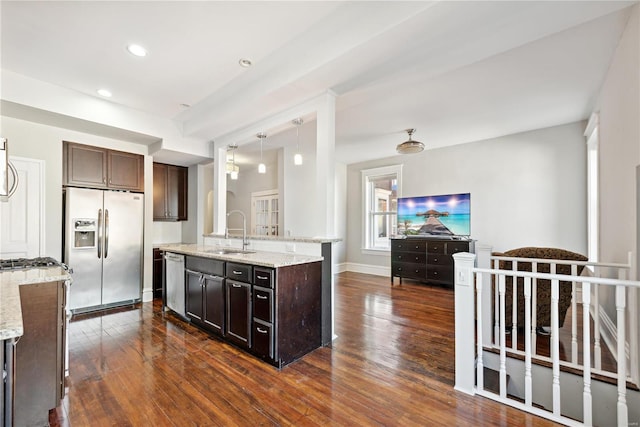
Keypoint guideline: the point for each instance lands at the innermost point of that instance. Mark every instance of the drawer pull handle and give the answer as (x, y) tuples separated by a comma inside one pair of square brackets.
[(435, 260), (236, 286), (237, 272), (261, 296), (262, 277), (262, 331), (435, 273)]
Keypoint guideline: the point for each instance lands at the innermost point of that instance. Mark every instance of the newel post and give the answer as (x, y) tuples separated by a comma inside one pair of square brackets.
[(464, 323)]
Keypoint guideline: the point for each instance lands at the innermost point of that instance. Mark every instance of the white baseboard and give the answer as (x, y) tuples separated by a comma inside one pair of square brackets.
[(376, 270), (340, 268), (147, 295)]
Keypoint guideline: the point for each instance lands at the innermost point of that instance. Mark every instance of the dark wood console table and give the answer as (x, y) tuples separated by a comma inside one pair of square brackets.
[(426, 259)]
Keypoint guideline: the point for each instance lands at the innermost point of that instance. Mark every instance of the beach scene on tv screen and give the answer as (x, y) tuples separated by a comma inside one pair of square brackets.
[(446, 215)]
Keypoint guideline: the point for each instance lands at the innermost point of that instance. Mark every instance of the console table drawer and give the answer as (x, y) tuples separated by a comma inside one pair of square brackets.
[(436, 247), (416, 257), (439, 259), (455, 247), (411, 271), (408, 245), (444, 274)]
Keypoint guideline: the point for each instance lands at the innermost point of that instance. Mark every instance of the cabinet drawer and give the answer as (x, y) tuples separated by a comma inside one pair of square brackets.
[(262, 304), (263, 339), (436, 247), (263, 277), (408, 245), (444, 274), (455, 247), (416, 257), (439, 259), (415, 271), (240, 272), (205, 265)]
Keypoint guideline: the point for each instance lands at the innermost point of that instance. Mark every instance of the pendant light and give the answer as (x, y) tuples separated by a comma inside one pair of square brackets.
[(297, 158), (233, 169), (410, 146), (261, 167)]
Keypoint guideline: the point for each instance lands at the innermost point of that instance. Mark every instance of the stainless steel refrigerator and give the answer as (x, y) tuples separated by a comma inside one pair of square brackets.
[(103, 245)]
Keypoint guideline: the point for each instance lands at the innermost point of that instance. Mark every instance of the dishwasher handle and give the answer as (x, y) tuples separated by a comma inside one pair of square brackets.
[(173, 257)]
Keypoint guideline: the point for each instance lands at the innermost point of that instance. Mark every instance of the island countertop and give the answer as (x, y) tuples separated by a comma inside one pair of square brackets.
[(300, 239), (261, 258), (10, 282)]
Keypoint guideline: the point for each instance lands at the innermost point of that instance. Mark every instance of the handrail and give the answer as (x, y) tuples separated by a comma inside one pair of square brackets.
[(562, 262), (560, 277)]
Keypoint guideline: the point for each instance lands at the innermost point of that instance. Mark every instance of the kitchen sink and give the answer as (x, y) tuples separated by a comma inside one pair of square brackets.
[(228, 251)]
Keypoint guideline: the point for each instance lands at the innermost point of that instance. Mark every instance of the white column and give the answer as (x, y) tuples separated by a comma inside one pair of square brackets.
[(219, 190), (325, 164), (464, 322)]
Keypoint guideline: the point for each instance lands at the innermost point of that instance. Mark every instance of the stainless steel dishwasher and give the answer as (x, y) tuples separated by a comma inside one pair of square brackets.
[(174, 283)]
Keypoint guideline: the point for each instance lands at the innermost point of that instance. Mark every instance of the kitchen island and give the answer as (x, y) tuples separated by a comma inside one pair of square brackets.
[(266, 303), (33, 330)]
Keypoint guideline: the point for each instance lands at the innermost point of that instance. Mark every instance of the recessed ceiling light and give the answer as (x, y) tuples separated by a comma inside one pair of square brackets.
[(104, 92), (137, 50), (244, 62)]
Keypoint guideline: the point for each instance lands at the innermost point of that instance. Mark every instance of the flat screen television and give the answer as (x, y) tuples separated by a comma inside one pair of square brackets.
[(444, 215)]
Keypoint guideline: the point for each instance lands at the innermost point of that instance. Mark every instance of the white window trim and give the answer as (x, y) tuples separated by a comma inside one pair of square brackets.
[(366, 174), (592, 134)]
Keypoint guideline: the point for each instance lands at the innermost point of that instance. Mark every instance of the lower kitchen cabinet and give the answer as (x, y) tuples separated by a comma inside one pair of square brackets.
[(239, 313), (273, 313), (158, 266), (205, 293)]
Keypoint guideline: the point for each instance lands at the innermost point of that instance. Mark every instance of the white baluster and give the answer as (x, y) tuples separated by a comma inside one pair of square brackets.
[(597, 351), (528, 393), (623, 415), (496, 309), (587, 410), (480, 364), (555, 345), (514, 309), (574, 317), (534, 308), (503, 342)]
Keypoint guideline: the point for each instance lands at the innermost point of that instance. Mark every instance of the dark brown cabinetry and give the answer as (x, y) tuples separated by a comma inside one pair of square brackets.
[(170, 185), (275, 313), (158, 266), (39, 353), (426, 260), (95, 167), (238, 303), (205, 293)]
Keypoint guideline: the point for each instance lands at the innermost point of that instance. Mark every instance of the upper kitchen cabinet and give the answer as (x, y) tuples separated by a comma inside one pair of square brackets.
[(169, 192), (95, 167)]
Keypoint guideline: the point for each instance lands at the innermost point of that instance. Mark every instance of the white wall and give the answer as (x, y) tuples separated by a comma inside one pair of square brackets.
[(527, 189), (619, 106), (44, 142)]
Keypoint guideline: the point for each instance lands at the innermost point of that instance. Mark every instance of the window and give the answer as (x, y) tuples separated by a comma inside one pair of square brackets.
[(381, 187)]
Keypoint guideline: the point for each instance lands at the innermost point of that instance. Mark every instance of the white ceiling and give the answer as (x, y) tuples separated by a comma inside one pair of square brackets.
[(456, 71)]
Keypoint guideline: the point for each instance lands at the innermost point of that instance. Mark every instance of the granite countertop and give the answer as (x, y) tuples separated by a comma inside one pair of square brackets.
[(262, 258), (280, 238), (10, 282)]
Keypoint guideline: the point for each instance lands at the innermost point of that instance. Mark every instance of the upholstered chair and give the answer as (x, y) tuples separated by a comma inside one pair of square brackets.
[(543, 293)]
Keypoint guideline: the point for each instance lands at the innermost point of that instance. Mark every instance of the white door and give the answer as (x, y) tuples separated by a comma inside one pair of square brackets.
[(264, 213), (22, 216)]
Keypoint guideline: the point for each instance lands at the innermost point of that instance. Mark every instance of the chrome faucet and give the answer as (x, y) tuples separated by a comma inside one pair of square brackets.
[(245, 241)]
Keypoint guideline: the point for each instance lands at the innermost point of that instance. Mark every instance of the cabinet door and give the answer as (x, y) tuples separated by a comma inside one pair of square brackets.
[(239, 312), (85, 166), (214, 303), (125, 171), (157, 273), (194, 295), (177, 193), (159, 192)]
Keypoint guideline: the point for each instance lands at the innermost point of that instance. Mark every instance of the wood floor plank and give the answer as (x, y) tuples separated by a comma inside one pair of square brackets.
[(391, 365)]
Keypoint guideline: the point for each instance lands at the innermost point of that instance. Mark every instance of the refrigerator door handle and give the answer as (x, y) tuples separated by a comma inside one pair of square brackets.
[(99, 233), (106, 233)]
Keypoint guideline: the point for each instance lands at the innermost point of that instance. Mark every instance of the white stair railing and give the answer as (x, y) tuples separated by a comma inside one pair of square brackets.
[(466, 274)]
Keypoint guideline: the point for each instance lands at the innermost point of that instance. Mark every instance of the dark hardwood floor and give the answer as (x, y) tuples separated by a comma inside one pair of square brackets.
[(392, 364)]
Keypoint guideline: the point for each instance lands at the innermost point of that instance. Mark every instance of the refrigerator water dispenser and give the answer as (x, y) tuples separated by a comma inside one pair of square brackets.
[(84, 233)]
